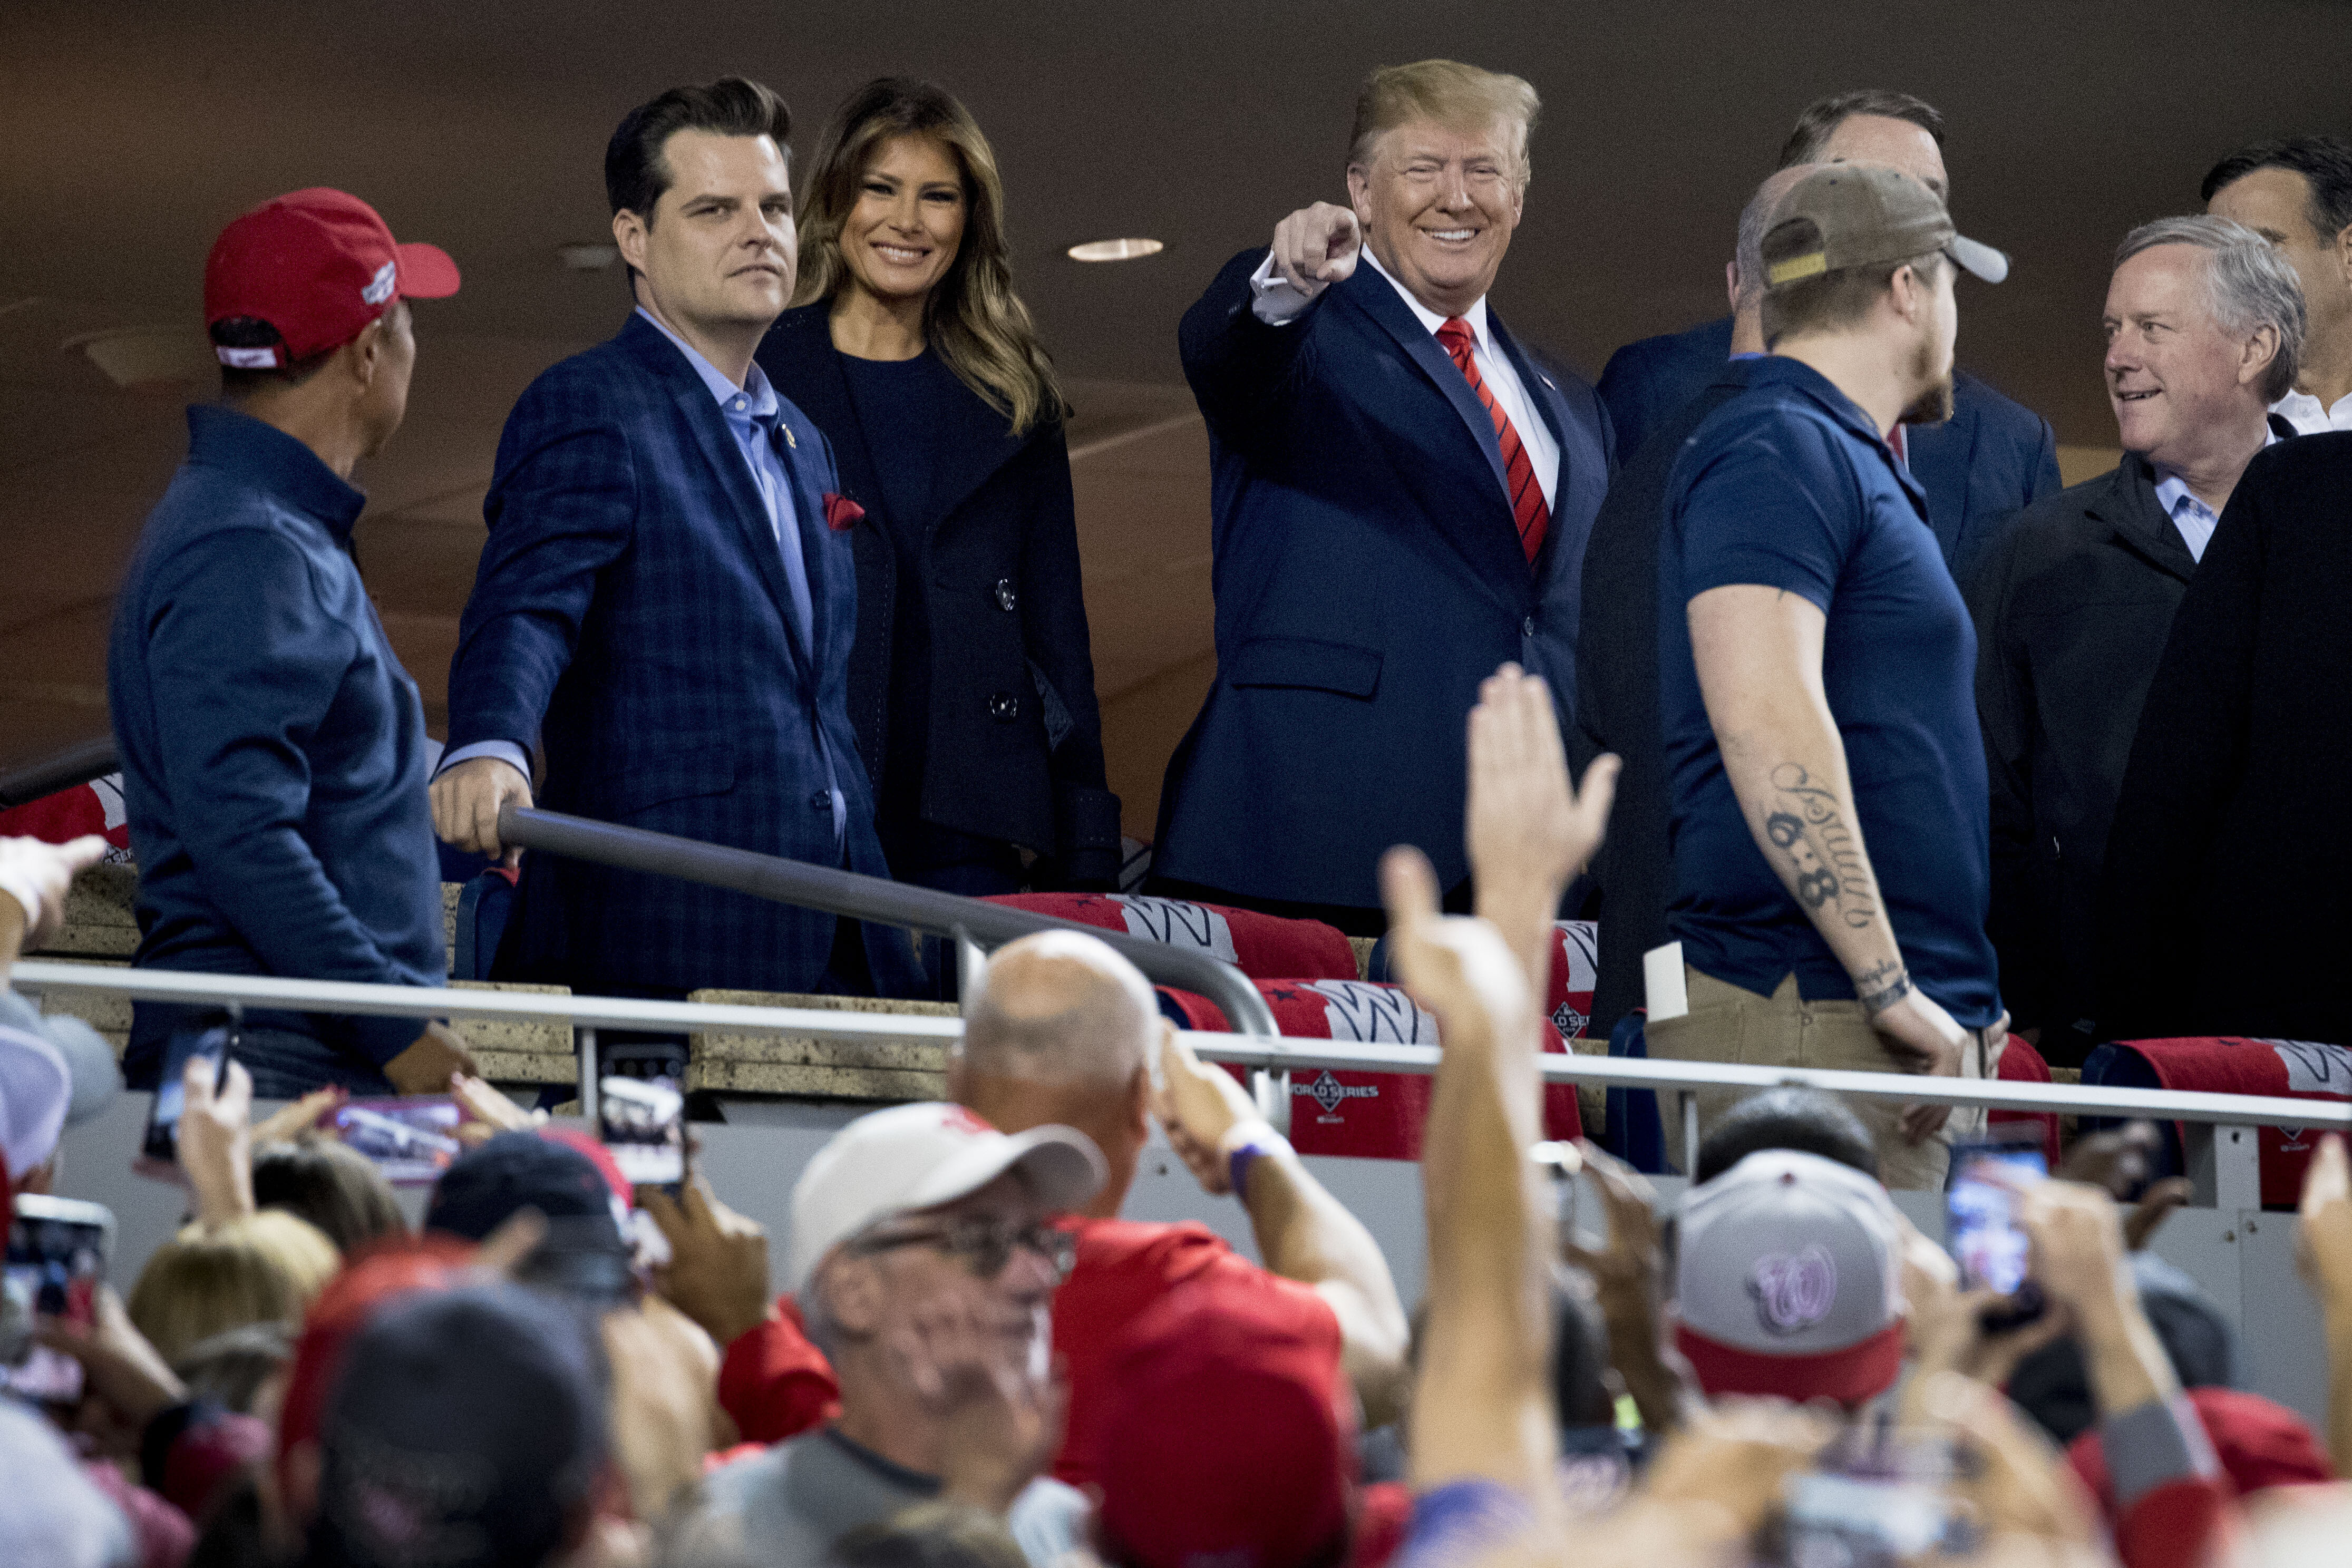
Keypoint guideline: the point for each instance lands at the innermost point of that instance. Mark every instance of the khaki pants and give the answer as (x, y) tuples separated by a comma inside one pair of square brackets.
[(1726, 1023)]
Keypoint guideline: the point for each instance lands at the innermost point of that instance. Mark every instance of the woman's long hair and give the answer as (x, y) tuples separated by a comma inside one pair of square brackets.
[(974, 320)]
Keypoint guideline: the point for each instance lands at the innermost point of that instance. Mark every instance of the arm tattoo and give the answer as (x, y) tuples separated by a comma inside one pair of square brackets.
[(1880, 989), (1824, 865)]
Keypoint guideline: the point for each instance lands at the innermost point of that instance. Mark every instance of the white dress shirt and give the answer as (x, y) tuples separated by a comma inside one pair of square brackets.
[(2192, 516), (2304, 412), (1275, 302)]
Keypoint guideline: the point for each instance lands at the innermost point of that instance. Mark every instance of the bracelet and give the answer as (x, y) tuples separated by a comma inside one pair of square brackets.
[(1262, 1141), (1878, 998)]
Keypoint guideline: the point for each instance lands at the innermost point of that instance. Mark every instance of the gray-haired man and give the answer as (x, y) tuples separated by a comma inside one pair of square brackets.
[(2204, 324)]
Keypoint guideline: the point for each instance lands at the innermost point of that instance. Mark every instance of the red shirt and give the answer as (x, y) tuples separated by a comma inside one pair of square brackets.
[(1124, 1266)]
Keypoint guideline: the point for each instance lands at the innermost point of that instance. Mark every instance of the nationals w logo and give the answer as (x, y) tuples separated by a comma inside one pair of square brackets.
[(1376, 1014), (1793, 1290), (1178, 924)]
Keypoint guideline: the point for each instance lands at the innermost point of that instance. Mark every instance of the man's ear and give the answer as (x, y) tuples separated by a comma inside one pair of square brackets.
[(1731, 284), (1138, 1101), (2255, 356), (629, 236), (853, 1295), (1360, 194), (366, 352)]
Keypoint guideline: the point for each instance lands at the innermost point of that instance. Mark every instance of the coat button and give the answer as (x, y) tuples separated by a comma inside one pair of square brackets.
[(1005, 598), (1528, 627), (821, 801), (1003, 706)]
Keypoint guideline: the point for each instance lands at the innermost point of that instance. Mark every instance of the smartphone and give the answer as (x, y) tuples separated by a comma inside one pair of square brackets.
[(1865, 1521), (159, 1147), (642, 1121), (1981, 1217), (58, 1252), (412, 1139)]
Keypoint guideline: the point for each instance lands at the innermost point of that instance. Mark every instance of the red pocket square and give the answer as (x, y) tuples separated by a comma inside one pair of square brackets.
[(841, 513)]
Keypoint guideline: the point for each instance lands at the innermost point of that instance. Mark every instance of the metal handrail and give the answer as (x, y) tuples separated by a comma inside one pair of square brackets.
[(1292, 1052), (76, 764), (855, 896)]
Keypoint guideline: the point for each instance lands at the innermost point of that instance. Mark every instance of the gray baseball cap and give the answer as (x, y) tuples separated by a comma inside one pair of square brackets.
[(1788, 1280), (1862, 214)]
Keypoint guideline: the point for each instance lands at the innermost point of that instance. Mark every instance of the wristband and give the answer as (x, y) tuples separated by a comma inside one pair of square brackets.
[(1261, 1141)]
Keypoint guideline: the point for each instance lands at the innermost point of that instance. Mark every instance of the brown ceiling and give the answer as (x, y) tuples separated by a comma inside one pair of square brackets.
[(133, 131)]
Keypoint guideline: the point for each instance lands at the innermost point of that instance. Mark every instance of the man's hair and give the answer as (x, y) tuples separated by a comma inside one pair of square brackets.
[(2324, 162), (332, 1186), (1748, 260), (1805, 1120), (1821, 118), (251, 332), (1445, 91), (929, 1535), (1101, 1036), (635, 172), (1837, 298), (2248, 285)]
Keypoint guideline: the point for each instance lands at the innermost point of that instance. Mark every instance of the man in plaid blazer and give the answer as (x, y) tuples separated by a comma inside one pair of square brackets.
[(662, 605)]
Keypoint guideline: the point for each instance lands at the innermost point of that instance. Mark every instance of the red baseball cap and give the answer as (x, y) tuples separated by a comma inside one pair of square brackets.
[(1232, 1439), (317, 266)]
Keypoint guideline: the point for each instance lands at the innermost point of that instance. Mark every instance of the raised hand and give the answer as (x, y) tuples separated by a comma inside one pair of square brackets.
[(1528, 833), (1199, 1104), (1317, 247)]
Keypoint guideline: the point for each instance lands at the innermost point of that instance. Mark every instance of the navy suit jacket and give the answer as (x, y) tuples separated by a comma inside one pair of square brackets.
[(1990, 459), (1368, 575), (631, 615)]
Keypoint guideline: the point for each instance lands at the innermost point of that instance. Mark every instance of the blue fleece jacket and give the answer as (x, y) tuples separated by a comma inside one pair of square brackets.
[(273, 748)]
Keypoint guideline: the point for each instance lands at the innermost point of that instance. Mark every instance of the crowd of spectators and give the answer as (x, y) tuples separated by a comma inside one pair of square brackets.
[(978, 1361)]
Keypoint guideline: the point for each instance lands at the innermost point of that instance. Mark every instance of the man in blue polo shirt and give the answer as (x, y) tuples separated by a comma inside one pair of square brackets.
[(273, 748), (1816, 673)]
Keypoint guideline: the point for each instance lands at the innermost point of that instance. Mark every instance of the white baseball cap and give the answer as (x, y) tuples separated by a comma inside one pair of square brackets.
[(1787, 1280), (912, 1157), (36, 1090)]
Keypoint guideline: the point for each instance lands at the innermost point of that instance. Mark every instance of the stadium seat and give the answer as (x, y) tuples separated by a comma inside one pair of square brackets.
[(2225, 1064), (1374, 1115), (1263, 947)]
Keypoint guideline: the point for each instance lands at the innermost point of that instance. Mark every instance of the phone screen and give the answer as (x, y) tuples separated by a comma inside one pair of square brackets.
[(161, 1144), (642, 1121), (1864, 1521), (56, 1262), (1983, 1226), (410, 1139)]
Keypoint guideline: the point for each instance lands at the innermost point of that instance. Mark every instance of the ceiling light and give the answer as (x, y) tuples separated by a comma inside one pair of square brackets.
[(588, 257), (1115, 249), (143, 357)]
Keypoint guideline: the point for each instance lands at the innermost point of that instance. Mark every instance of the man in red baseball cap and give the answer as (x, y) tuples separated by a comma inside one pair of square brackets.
[(273, 748)]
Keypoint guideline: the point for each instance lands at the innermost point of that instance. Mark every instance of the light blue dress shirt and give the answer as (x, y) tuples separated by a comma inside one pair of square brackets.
[(2193, 517), (752, 411)]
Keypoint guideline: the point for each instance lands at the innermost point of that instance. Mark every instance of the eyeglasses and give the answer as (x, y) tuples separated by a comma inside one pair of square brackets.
[(983, 1245)]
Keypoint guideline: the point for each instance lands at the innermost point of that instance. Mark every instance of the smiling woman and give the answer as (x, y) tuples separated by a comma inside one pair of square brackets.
[(971, 685)]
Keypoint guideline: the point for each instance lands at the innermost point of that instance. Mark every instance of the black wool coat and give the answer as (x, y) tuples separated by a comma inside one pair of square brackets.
[(1015, 736), (2073, 602), (2226, 906)]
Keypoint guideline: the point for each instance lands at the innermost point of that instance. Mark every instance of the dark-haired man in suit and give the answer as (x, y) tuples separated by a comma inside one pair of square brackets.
[(1402, 498), (1989, 458), (661, 605)]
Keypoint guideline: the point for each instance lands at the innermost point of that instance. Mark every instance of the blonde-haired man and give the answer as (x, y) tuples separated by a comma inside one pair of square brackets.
[(1401, 492)]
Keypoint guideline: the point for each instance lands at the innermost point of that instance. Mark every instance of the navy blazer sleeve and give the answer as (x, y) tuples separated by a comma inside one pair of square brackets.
[(561, 508), (1053, 629), (1237, 364), (243, 659), (2005, 714)]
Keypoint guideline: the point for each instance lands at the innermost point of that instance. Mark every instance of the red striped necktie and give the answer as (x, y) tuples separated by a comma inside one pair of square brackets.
[(1527, 509)]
